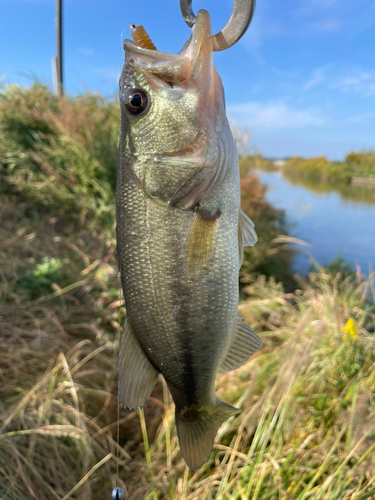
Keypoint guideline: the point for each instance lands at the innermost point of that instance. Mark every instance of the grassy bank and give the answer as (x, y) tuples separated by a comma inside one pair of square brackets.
[(307, 425), (356, 166), (346, 191), (306, 430)]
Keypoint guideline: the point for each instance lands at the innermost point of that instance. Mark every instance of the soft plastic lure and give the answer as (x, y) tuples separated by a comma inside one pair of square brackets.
[(141, 37)]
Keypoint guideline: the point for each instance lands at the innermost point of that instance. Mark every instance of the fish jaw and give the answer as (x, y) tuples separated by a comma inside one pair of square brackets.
[(187, 107), (193, 62)]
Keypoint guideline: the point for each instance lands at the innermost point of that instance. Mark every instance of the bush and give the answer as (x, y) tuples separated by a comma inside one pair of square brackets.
[(362, 164), (323, 170), (60, 153)]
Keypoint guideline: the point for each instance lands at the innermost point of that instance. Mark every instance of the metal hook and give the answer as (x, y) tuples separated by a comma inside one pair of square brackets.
[(236, 27)]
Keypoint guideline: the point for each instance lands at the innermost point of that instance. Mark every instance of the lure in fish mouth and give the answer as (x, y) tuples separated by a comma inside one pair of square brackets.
[(180, 235)]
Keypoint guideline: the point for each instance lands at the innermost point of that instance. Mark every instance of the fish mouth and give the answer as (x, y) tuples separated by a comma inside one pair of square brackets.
[(190, 61)]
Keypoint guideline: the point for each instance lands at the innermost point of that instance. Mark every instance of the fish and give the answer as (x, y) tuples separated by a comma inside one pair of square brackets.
[(180, 237)]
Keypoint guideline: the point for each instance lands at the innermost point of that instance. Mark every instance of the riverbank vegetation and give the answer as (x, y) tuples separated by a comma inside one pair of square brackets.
[(354, 166), (362, 194), (307, 426), (358, 168)]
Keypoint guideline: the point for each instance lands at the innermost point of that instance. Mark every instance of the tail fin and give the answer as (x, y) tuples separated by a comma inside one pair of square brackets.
[(196, 429)]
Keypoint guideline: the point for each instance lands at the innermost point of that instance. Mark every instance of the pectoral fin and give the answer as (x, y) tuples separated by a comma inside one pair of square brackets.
[(201, 241), (243, 345), (246, 234), (136, 375)]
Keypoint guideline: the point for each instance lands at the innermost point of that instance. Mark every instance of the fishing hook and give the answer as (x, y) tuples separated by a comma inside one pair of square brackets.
[(236, 27)]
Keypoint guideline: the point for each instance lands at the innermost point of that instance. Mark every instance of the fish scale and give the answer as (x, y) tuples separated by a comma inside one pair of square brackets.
[(153, 277)]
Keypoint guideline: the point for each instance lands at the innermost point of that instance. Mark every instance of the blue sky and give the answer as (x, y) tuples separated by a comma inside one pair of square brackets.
[(302, 79)]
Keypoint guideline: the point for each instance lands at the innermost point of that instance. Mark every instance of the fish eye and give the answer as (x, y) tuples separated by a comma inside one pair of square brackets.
[(136, 101)]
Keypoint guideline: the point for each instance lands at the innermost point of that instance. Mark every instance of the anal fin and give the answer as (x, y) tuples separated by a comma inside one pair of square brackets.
[(243, 345), (247, 237), (136, 375)]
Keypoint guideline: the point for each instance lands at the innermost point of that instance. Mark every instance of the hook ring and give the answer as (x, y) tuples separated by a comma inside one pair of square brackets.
[(236, 27)]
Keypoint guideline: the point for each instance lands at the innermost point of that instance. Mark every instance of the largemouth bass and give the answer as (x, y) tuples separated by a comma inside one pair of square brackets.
[(180, 234)]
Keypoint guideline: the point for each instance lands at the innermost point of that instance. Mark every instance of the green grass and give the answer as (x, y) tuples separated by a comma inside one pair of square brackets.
[(320, 169), (306, 430), (355, 165), (346, 191), (60, 154)]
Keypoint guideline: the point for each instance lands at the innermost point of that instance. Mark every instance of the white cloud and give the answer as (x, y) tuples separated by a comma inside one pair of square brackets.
[(274, 115), (332, 16), (264, 26), (362, 82), (316, 78), (263, 29)]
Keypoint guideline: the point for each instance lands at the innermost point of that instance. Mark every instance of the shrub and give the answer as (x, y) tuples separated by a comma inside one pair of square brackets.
[(60, 153)]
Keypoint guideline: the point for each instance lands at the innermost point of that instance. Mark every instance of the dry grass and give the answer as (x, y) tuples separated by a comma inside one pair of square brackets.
[(307, 426), (58, 354)]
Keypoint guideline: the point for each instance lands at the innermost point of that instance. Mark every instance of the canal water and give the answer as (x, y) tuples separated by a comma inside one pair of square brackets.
[(335, 221)]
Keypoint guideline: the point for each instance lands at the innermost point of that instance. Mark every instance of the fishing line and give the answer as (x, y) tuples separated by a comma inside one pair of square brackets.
[(122, 43), (118, 434), (122, 38), (118, 493)]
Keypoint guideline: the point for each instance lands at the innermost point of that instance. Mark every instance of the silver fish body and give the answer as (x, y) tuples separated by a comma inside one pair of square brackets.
[(180, 235)]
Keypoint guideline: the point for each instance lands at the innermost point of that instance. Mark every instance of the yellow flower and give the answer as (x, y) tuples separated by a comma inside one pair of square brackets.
[(350, 330)]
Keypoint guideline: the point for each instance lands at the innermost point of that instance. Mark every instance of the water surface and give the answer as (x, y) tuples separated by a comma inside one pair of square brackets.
[(333, 222)]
